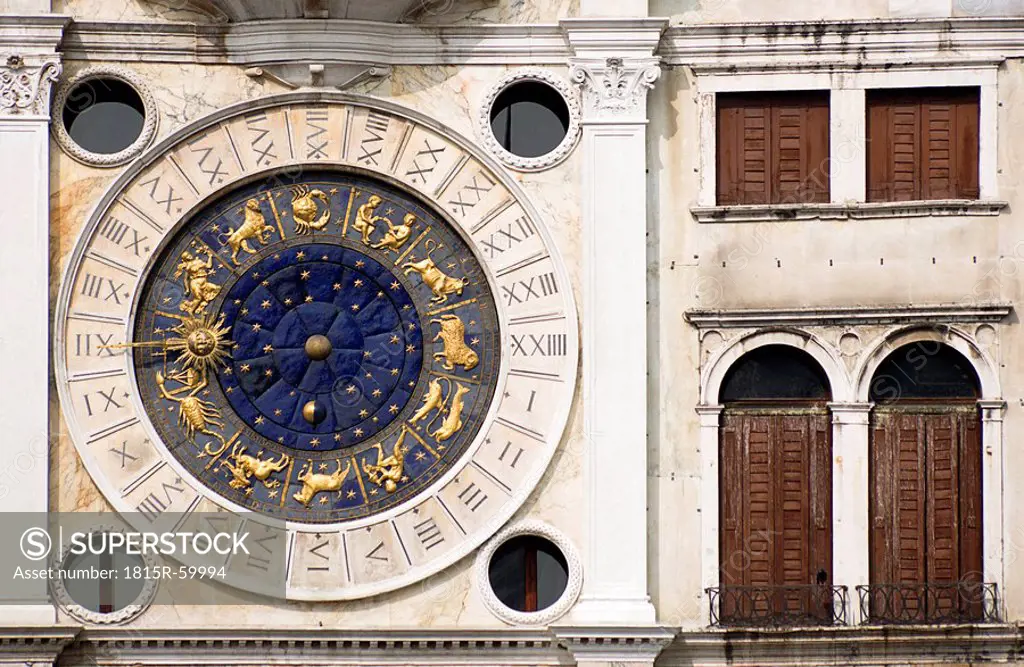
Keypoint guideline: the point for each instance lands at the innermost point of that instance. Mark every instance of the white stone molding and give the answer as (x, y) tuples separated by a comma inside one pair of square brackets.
[(34, 647), (116, 617), (848, 132), (325, 647), (151, 115), (615, 88), (543, 616), (848, 316), (25, 88), (517, 162), (710, 509), (827, 356), (614, 645)]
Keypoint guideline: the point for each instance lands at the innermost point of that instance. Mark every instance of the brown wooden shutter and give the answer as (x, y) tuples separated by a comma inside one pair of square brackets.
[(773, 148), (922, 144)]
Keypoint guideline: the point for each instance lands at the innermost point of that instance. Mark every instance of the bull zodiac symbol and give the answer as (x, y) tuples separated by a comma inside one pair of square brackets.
[(313, 484), (435, 399), (247, 466), (440, 284), (389, 470), (254, 227), (453, 334), (304, 209)]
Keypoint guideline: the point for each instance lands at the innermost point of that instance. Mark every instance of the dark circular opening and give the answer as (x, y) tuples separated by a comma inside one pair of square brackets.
[(528, 573), (924, 370), (104, 115), (103, 579), (529, 119), (775, 372)]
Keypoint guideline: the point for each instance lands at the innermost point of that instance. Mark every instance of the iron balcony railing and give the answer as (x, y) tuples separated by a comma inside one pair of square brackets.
[(931, 603), (777, 606)]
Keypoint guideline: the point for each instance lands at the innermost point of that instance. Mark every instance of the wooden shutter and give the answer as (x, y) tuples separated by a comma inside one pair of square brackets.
[(922, 144), (773, 148)]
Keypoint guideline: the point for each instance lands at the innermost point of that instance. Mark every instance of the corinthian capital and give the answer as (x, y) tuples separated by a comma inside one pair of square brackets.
[(616, 87), (24, 88)]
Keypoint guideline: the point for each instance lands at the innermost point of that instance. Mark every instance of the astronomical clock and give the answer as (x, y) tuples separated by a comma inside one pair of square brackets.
[(329, 318)]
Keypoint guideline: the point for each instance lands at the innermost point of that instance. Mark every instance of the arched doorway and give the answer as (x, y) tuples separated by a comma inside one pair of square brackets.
[(925, 487), (775, 489)]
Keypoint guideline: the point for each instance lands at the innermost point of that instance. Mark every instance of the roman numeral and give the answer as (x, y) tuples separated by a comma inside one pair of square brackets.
[(376, 128), (153, 505), (123, 453), (524, 290), (108, 400), (316, 142), (471, 194), (429, 534), (514, 233), (473, 497), (424, 162), (92, 286), (265, 154), (168, 193), (544, 345), (84, 345), (316, 552), (213, 170), (116, 231), (514, 459), (259, 562), (374, 553)]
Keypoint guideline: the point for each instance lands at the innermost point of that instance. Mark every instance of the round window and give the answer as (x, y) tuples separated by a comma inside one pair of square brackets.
[(528, 573), (104, 115), (529, 119)]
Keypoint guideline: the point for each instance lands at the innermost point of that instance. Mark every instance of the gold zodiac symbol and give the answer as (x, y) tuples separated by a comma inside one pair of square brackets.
[(366, 221), (396, 235), (439, 283), (453, 333), (194, 414), (388, 471), (254, 227), (304, 209), (313, 484), (435, 400), (247, 466), (197, 283)]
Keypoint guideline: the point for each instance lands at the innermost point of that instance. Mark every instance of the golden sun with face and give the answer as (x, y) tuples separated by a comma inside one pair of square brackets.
[(201, 343)]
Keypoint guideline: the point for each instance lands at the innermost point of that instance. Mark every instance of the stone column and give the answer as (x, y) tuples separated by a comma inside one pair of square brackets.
[(614, 66), (26, 76), (850, 528), (710, 420), (992, 489)]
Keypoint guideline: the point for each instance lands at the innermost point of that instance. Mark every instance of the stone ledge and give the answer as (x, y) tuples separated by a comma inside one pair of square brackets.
[(857, 211), (35, 645), (935, 314)]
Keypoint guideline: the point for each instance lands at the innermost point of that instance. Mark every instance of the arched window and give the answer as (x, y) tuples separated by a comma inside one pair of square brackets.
[(775, 486), (925, 487)]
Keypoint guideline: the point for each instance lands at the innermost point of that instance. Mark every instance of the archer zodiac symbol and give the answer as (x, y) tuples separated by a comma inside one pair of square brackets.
[(453, 334), (389, 470), (396, 235), (196, 274), (247, 466), (366, 218), (304, 209), (440, 284), (254, 227), (313, 484)]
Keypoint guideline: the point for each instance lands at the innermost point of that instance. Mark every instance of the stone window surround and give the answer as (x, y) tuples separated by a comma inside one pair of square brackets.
[(847, 131), (850, 410)]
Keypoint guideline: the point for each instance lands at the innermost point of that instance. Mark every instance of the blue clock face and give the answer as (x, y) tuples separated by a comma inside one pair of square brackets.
[(317, 348)]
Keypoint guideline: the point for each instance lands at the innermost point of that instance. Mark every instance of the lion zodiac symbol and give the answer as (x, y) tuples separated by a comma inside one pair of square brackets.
[(254, 227)]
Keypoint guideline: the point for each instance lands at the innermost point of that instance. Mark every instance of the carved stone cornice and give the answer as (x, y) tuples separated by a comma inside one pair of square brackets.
[(25, 88), (615, 88)]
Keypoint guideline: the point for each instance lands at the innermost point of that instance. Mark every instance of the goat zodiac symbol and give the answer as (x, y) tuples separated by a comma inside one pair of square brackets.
[(247, 466)]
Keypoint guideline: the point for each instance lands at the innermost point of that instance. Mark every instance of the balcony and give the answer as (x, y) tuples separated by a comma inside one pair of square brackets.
[(777, 606), (929, 603)]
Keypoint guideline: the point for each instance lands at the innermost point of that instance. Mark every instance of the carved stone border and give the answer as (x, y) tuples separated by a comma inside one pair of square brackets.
[(131, 611), (149, 125), (509, 159), (572, 587)]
